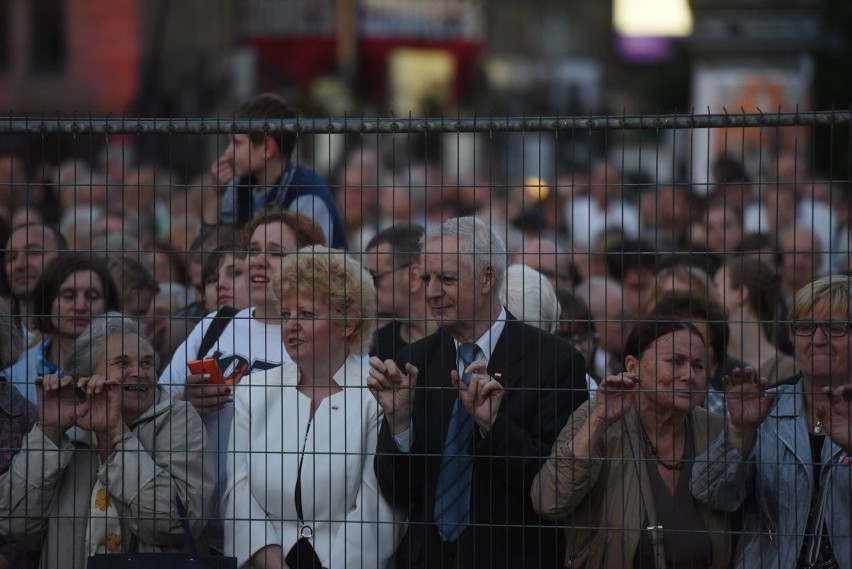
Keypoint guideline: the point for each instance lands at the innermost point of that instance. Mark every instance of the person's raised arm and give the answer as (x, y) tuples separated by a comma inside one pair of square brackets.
[(721, 474), (574, 463)]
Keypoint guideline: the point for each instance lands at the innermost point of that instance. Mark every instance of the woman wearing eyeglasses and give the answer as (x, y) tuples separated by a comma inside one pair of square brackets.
[(241, 342), (798, 510)]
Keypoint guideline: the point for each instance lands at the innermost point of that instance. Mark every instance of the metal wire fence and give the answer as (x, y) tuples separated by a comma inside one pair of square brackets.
[(559, 311)]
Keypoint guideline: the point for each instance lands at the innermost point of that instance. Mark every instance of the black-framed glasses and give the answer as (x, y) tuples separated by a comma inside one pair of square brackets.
[(831, 328), (378, 275), (588, 340)]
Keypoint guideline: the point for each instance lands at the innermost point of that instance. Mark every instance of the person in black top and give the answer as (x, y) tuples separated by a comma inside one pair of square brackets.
[(393, 258)]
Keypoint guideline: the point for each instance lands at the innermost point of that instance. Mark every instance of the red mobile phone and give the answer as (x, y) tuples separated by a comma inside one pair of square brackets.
[(209, 366)]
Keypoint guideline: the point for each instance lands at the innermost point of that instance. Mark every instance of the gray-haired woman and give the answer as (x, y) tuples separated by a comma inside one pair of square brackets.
[(110, 457)]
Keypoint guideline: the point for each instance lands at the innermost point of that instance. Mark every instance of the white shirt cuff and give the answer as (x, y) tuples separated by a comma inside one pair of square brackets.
[(403, 440)]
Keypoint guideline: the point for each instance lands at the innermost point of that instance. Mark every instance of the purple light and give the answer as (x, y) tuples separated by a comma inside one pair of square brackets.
[(644, 49)]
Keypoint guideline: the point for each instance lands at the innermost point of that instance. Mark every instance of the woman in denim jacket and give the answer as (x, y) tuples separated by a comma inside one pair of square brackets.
[(797, 480)]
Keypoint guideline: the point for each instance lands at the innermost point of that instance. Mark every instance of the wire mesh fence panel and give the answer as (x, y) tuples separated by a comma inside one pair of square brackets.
[(426, 342)]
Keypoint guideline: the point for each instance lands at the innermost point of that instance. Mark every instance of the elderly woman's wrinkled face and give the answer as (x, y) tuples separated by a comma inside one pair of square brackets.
[(80, 297), (672, 371), (130, 360), (822, 352), (310, 332)]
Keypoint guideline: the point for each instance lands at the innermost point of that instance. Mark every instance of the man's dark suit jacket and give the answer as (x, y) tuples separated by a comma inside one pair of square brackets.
[(544, 377)]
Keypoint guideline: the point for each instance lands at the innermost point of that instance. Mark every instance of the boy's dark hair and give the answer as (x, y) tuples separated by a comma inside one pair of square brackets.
[(273, 107), (404, 241), (208, 240), (47, 287), (210, 267)]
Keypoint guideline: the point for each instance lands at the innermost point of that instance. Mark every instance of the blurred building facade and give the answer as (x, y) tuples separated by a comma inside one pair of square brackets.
[(380, 57)]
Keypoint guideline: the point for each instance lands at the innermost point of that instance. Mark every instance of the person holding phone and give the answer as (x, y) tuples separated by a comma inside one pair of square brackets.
[(240, 342)]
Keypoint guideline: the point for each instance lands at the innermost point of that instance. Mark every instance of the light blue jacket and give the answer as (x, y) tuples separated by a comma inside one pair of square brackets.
[(29, 366), (778, 480)]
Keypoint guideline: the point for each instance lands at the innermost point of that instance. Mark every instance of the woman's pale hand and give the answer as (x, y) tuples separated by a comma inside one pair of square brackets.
[(101, 411), (615, 396), (836, 418), (746, 398), (205, 397), (57, 406)]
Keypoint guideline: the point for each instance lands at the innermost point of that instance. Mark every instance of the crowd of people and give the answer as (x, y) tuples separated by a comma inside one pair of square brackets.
[(409, 371)]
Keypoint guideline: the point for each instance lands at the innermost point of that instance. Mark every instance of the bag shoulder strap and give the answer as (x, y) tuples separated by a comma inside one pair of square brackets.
[(133, 549), (655, 530), (223, 317)]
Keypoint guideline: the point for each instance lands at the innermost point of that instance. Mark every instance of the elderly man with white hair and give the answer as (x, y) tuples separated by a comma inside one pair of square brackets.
[(470, 411)]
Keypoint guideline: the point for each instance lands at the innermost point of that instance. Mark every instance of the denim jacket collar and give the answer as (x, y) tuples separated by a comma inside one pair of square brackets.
[(791, 428)]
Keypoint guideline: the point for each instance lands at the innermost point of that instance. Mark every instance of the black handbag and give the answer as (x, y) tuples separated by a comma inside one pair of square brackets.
[(132, 559)]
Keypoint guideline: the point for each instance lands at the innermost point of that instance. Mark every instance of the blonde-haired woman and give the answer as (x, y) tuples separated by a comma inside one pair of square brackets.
[(302, 485), (798, 506)]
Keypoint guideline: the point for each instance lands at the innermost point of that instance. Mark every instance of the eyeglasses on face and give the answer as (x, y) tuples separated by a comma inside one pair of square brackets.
[(378, 275), (591, 339), (832, 329)]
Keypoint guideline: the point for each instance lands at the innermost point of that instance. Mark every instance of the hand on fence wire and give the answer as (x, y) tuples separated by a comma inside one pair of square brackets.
[(746, 398), (101, 411), (57, 405), (835, 418), (393, 389), (615, 396), (482, 396)]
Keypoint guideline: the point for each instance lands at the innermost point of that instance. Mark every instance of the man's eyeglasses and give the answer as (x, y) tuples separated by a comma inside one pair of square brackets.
[(831, 329), (588, 340), (378, 275)]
